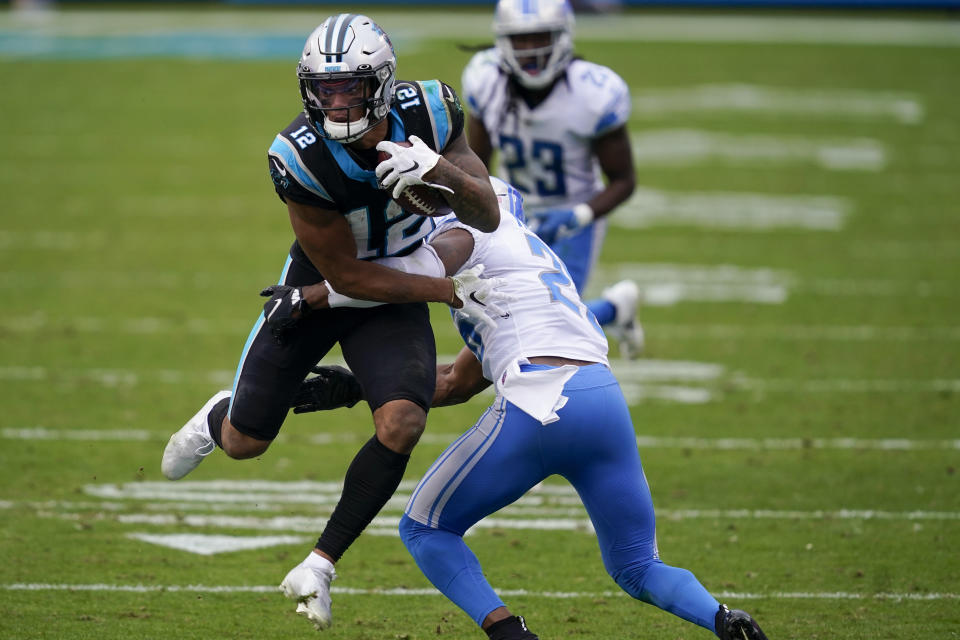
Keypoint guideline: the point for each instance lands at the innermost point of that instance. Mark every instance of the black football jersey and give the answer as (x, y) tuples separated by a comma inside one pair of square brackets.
[(312, 170)]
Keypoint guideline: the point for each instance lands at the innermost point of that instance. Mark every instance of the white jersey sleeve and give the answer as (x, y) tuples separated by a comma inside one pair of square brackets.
[(546, 317), (604, 95), (479, 81)]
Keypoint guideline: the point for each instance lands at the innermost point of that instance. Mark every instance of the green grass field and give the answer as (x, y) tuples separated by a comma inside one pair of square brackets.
[(797, 408)]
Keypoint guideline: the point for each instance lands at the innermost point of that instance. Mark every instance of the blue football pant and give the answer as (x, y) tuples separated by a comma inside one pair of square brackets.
[(507, 452), (579, 252)]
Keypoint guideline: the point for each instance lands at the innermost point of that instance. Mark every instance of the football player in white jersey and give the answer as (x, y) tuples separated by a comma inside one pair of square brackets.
[(559, 127), (558, 410)]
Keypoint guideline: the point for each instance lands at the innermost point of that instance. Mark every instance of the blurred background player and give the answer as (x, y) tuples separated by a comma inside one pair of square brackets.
[(558, 410), (558, 124), (322, 165)]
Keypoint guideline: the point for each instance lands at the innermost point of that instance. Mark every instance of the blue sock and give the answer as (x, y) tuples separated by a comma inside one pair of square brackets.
[(603, 309), (672, 589), (452, 568)]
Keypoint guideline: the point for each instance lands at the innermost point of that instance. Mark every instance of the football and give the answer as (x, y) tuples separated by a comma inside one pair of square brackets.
[(419, 199)]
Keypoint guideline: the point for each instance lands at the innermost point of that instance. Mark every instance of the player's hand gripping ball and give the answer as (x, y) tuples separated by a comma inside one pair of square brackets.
[(419, 198)]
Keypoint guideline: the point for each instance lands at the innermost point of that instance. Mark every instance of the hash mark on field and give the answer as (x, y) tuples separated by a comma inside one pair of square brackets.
[(404, 591)]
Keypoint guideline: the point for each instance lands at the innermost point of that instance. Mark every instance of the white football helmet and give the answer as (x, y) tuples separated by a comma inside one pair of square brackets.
[(534, 68), (347, 63)]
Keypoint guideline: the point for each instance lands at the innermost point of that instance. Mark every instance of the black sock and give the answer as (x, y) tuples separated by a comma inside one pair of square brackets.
[(371, 480), (215, 419)]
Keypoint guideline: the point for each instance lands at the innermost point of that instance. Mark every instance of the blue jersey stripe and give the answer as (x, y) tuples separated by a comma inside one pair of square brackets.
[(283, 149), (253, 334), (348, 165), (438, 111), (397, 131)]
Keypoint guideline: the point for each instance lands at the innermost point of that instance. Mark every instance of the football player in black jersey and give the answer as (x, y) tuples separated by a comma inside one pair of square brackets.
[(323, 168)]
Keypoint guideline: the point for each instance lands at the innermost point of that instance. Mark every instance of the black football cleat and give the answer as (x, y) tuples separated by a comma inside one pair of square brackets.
[(512, 628), (734, 624)]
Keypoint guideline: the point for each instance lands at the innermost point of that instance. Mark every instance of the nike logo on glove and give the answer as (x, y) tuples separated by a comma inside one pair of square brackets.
[(274, 310), (473, 296), (416, 165)]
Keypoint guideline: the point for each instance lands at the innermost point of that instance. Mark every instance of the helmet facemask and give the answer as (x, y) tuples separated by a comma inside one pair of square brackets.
[(346, 75), (344, 106), (535, 40), (535, 59)]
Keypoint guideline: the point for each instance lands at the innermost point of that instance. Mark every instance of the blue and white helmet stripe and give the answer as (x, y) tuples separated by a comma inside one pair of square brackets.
[(347, 46), (337, 31)]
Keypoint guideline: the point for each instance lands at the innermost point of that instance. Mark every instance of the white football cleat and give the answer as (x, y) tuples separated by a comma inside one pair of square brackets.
[(309, 584), (625, 297), (191, 444)]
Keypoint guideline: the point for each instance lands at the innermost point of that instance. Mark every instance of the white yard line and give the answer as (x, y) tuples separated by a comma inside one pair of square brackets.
[(42, 433), (524, 509), (404, 591), (742, 211), (689, 147), (663, 284), (838, 333), (442, 439), (757, 99), (150, 326)]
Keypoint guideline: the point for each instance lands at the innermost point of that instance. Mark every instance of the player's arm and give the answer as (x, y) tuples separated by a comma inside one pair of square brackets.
[(613, 152), (479, 140), (446, 253), (459, 381), (473, 198), (326, 238)]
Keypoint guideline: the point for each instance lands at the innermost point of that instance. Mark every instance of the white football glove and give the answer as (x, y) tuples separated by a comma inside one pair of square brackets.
[(309, 584), (482, 297), (406, 165)]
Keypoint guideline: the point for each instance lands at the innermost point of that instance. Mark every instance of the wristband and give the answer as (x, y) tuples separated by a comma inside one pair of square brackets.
[(453, 291), (583, 214)]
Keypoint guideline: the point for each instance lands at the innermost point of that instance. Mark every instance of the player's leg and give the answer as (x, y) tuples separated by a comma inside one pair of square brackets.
[(487, 468), (245, 419), (392, 353), (594, 447)]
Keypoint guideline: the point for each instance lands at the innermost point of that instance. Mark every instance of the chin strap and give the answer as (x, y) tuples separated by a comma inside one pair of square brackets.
[(340, 131)]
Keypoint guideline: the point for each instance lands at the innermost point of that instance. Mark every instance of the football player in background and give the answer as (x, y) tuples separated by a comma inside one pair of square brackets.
[(558, 410), (559, 125), (322, 166)]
